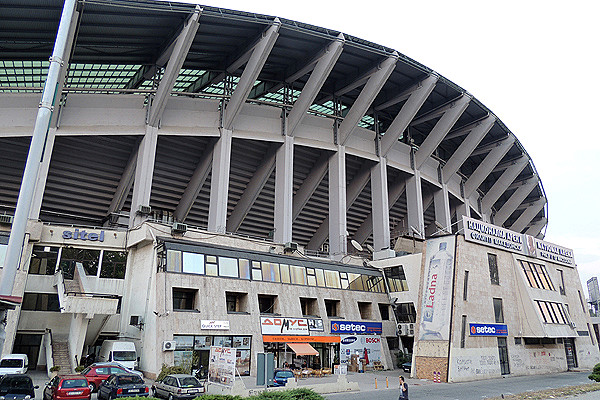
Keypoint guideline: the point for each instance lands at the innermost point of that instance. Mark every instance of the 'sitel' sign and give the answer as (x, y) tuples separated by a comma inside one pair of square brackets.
[(83, 235), (284, 326)]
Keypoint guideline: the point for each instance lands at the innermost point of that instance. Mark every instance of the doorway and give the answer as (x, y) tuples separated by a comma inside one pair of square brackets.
[(503, 353), (571, 354), (26, 343)]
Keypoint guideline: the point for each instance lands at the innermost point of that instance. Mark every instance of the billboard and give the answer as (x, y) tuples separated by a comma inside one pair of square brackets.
[(437, 289), (221, 366), (367, 347), (356, 327)]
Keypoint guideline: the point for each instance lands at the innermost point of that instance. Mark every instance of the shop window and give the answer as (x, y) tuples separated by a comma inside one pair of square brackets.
[(43, 260), (40, 302), (498, 313), (267, 304), (405, 312), (309, 307), (113, 264), (71, 257), (184, 299), (396, 278), (493, 264), (364, 309), (193, 263), (332, 308), (236, 302), (384, 312), (538, 341)]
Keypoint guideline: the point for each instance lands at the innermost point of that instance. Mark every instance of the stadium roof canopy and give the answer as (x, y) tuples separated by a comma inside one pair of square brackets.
[(121, 47)]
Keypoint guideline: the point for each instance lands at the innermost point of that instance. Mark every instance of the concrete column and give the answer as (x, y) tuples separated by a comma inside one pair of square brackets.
[(515, 200), (441, 203), (380, 211), (219, 189), (414, 204), (337, 204), (40, 185), (144, 171), (284, 188)]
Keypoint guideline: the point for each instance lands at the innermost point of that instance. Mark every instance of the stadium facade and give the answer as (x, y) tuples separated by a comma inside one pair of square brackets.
[(192, 174)]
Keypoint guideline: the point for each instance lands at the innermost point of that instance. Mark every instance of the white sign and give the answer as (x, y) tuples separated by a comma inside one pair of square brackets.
[(221, 366), (219, 325), (366, 347), (437, 289), (549, 252), (283, 326)]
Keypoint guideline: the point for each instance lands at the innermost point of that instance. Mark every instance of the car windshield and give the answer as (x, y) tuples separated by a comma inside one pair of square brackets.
[(129, 379), (15, 383), (189, 382), (284, 374), (124, 355), (74, 383), (11, 363)]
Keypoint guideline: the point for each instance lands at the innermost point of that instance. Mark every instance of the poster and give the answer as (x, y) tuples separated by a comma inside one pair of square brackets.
[(367, 347), (436, 304), (221, 365)]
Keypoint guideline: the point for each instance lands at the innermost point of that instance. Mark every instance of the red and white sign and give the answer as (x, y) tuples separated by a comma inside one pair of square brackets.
[(283, 326), (221, 366)]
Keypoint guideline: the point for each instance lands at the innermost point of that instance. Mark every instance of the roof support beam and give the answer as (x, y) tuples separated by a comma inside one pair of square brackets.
[(366, 97), (284, 190), (436, 112), (515, 200), (441, 204), (125, 183), (248, 79), (507, 177), (195, 184), (414, 204), (441, 128), (144, 172), (416, 97), (535, 228), (467, 146), (310, 184), (219, 183), (380, 210), (487, 165), (145, 72), (315, 83), (180, 51), (338, 233), (528, 215), (253, 189)]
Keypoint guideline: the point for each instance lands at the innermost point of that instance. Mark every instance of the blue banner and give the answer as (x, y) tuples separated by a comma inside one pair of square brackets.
[(357, 328), (488, 330)]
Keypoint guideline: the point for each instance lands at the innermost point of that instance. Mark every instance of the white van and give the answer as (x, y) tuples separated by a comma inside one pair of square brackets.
[(14, 364), (119, 351)]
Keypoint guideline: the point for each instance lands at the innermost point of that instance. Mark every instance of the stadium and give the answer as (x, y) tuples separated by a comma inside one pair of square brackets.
[(184, 125)]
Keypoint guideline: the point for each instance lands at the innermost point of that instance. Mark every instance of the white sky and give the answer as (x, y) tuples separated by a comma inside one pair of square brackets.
[(532, 63)]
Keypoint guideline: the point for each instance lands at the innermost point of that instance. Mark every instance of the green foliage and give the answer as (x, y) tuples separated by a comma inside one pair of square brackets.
[(168, 370), (595, 375), (293, 394), (597, 369), (55, 368), (79, 368), (219, 397)]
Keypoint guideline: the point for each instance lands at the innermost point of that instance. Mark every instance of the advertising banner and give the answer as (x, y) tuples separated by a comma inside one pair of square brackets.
[(283, 326), (315, 325), (366, 347), (437, 289), (221, 366), (356, 327), (219, 325), (488, 330), (549, 252)]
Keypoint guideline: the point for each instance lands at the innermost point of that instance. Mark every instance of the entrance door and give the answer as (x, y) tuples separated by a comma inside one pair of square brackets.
[(28, 344), (571, 355), (503, 352)]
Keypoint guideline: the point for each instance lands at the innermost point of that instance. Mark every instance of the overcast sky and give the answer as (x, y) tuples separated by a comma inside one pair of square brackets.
[(532, 63)]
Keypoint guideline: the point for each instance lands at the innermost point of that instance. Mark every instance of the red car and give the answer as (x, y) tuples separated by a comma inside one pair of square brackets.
[(62, 387), (98, 373)]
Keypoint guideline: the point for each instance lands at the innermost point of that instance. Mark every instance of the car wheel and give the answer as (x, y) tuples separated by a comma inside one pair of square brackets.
[(170, 396), (153, 390), (92, 387)]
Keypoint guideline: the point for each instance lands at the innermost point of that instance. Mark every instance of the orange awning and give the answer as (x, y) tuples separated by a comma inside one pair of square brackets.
[(303, 349)]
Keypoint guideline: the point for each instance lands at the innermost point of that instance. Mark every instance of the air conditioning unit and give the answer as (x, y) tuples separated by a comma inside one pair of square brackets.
[(400, 329), (6, 219), (411, 329), (169, 345), (144, 210), (572, 325), (178, 228), (290, 246)]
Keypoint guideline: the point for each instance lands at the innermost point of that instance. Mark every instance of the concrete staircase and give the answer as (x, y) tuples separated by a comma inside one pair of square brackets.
[(72, 286), (60, 355)]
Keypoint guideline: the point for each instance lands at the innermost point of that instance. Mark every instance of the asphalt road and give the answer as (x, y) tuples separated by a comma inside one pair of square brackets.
[(476, 390)]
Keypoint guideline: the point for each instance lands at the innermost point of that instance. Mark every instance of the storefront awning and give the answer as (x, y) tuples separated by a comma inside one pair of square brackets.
[(303, 349)]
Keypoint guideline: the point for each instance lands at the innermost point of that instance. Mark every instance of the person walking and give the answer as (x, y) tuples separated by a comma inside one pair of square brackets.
[(403, 389)]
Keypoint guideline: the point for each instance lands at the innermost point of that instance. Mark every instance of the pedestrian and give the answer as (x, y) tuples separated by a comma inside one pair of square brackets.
[(403, 389)]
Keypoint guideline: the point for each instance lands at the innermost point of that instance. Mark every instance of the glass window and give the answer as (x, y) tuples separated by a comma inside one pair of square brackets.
[(332, 279), (463, 331), (384, 312), (355, 281), (228, 267), (71, 257), (493, 263), (113, 264), (270, 271), (40, 302), (193, 263), (183, 299), (320, 277), (396, 278), (284, 271), (256, 271), (224, 341), (211, 266), (3, 248), (298, 275), (344, 280), (465, 285), (244, 268), (498, 313), (43, 260), (174, 260), (310, 277), (406, 312), (544, 311)]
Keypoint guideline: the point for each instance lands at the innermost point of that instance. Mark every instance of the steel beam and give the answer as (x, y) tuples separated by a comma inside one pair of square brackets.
[(441, 128), (528, 215), (515, 200), (416, 96), (248, 79), (487, 165), (508, 176), (365, 98)]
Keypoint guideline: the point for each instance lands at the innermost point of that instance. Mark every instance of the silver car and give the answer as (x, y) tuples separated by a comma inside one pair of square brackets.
[(178, 387)]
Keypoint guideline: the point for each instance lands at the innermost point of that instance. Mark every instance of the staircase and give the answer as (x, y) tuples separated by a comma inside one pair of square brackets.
[(60, 356), (72, 286)]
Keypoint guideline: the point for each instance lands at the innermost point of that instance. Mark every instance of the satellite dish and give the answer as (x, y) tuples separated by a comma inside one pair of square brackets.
[(356, 245), (370, 248)]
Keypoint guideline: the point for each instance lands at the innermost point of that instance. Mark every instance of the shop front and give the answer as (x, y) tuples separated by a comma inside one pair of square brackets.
[(360, 343)]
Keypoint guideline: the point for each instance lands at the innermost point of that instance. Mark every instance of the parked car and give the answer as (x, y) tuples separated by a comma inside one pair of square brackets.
[(281, 377), (14, 364), (177, 386), (407, 367), (99, 372), (67, 387), (122, 385), (17, 387)]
